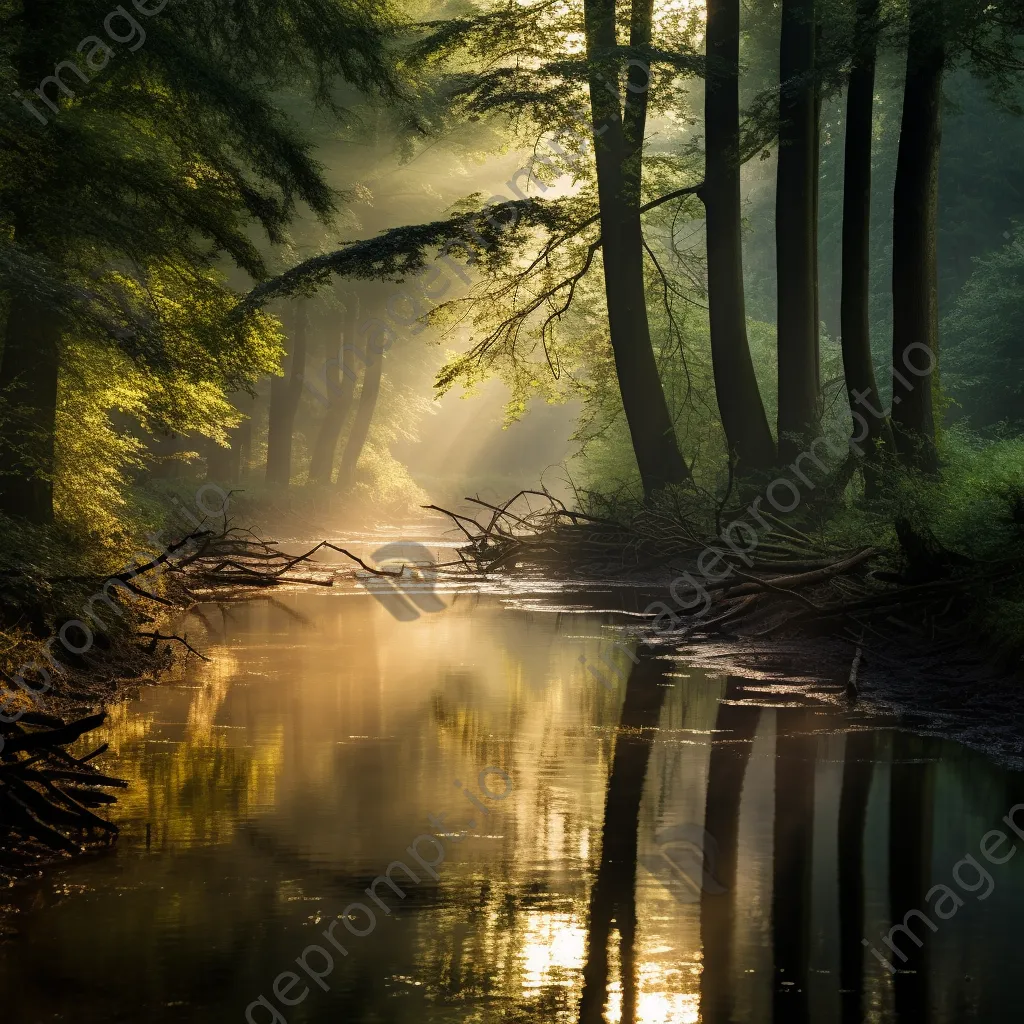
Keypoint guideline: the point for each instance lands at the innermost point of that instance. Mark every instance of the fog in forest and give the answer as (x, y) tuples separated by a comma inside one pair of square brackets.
[(511, 511)]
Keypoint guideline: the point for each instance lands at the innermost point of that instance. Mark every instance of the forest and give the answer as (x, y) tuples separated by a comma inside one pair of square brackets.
[(716, 307), (179, 303)]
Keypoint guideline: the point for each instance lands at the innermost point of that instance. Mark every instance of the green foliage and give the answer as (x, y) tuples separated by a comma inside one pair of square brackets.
[(983, 335), (970, 518), (151, 172), (974, 507), (103, 391)]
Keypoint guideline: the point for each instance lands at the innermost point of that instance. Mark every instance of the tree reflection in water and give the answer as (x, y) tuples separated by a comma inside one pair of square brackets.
[(735, 726), (613, 897)]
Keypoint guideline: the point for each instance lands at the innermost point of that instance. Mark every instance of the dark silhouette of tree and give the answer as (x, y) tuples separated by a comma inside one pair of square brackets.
[(285, 395), (915, 326), (340, 373), (375, 339), (855, 315), (613, 896), (739, 400), (618, 131), (735, 726), (796, 242)]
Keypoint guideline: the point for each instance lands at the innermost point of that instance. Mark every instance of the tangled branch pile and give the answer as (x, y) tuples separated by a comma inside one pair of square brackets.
[(47, 795), (788, 583), (234, 557)]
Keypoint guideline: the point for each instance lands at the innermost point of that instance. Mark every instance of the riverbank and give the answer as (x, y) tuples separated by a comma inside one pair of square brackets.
[(775, 603), (902, 625)]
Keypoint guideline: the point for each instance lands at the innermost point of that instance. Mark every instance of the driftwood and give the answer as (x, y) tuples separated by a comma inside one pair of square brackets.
[(238, 558), (46, 794), (790, 583)]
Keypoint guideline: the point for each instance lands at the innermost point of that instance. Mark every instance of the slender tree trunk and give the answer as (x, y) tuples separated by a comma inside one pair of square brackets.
[(340, 392), (618, 152), (739, 400), (285, 394), (30, 360), (245, 438), (815, 214), (855, 317), (613, 896), (796, 243), (368, 395), (915, 334), (735, 726), (858, 768)]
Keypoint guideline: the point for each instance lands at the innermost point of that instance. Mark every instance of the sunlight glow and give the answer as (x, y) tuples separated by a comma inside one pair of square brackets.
[(554, 947)]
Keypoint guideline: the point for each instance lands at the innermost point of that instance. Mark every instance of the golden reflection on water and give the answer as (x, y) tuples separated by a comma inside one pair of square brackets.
[(188, 780), (244, 740), (269, 786)]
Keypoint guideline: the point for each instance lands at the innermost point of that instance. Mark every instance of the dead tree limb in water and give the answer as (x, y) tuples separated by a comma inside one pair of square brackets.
[(41, 815), (788, 583)]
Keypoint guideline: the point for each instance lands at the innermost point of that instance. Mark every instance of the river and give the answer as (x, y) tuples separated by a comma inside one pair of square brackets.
[(654, 843)]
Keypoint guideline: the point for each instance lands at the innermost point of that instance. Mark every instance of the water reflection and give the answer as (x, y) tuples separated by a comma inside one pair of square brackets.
[(858, 767), (684, 847), (731, 746), (911, 798), (613, 895)]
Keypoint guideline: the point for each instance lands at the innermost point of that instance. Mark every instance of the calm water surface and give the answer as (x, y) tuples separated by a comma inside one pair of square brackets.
[(678, 846)]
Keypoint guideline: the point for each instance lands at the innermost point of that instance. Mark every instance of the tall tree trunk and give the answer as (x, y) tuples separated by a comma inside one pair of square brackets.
[(618, 153), (285, 394), (368, 395), (855, 318), (30, 360), (731, 744), (795, 748), (915, 332), (796, 243), (245, 438), (613, 896), (858, 768), (816, 212), (739, 400), (340, 392)]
